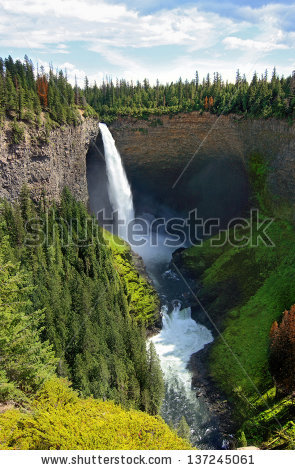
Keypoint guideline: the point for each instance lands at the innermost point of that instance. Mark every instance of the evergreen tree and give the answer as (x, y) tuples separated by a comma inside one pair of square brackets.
[(155, 381), (25, 361), (183, 429)]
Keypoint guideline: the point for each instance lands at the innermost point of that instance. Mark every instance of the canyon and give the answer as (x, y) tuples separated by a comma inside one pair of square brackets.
[(155, 152), (214, 151), (174, 164)]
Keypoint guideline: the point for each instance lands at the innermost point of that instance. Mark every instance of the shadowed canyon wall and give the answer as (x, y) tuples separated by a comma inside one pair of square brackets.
[(156, 151)]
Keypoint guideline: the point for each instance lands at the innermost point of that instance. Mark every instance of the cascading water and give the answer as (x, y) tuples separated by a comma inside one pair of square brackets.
[(118, 187), (180, 336)]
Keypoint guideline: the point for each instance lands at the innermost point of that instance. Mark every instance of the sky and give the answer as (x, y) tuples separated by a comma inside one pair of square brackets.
[(152, 39)]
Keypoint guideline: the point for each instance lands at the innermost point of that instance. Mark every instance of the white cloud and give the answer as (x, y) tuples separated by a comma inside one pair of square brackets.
[(50, 26), (102, 24), (84, 10), (61, 49), (232, 42)]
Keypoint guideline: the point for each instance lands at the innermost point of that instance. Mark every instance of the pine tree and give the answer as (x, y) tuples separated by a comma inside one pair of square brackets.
[(42, 90), (10, 93), (155, 381), (25, 361), (183, 429), (197, 80)]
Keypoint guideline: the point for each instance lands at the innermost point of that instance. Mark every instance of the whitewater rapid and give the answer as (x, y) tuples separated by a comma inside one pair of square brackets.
[(179, 338)]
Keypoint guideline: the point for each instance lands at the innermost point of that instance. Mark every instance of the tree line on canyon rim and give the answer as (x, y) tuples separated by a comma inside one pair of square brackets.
[(25, 92)]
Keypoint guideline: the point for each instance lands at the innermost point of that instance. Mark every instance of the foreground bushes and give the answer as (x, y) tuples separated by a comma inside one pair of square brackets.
[(59, 419)]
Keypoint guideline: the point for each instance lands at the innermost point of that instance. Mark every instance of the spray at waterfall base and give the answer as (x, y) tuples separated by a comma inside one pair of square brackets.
[(155, 240)]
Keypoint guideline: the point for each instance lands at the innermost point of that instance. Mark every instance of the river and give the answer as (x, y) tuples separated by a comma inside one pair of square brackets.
[(180, 336)]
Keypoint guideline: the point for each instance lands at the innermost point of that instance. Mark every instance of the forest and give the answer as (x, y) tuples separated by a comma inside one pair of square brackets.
[(67, 316), (78, 304), (26, 93)]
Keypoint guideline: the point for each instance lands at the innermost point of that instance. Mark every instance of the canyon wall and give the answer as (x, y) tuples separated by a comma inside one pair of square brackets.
[(48, 162), (214, 150)]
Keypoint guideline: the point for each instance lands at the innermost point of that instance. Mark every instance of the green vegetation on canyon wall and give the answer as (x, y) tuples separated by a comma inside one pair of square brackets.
[(144, 304), (245, 289)]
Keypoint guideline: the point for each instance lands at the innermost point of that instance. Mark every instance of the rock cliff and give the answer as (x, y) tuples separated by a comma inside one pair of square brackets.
[(216, 150), (155, 153), (50, 162)]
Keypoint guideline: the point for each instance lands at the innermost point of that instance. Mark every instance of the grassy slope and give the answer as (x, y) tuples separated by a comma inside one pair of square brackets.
[(272, 426), (143, 300), (249, 287)]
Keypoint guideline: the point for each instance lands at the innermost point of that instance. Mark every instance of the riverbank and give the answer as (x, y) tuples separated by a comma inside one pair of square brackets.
[(217, 402), (245, 289)]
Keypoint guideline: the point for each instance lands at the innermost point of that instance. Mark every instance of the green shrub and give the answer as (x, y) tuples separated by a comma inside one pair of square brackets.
[(17, 133), (89, 112), (59, 419), (242, 441)]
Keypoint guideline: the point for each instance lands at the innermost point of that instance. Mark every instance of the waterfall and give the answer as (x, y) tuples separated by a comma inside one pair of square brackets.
[(180, 336), (118, 187)]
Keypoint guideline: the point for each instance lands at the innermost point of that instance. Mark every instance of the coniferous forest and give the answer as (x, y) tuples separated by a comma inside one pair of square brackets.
[(26, 91), (74, 300), (67, 314)]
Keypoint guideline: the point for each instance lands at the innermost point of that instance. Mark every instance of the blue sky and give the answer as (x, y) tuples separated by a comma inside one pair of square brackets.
[(151, 38)]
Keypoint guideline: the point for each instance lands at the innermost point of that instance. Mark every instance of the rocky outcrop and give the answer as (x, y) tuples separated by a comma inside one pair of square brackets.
[(205, 387), (214, 150), (46, 162)]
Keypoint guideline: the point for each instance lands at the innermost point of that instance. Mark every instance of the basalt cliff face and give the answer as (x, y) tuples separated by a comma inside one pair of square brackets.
[(49, 163), (213, 150)]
